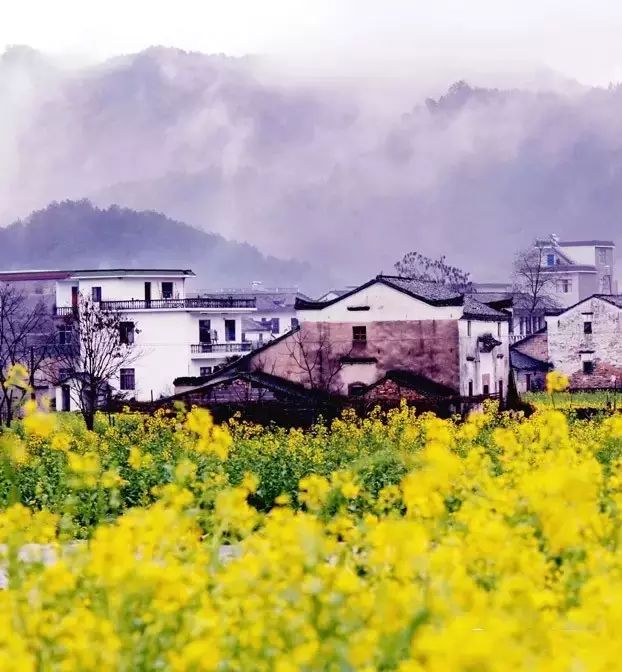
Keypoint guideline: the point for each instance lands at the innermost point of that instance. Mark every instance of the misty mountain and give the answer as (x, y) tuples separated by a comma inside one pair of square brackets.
[(77, 235), (342, 176)]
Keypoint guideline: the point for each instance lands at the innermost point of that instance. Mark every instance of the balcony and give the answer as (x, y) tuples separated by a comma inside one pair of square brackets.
[(205, 303), (221, 348)]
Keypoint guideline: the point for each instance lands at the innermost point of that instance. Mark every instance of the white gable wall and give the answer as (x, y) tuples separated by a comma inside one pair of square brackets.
[(385, 304)]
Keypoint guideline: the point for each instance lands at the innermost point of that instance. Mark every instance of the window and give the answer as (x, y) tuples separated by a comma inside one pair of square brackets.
[(356, 389), (605, 284), (587, 327), (205, 370), (275, 325), (602, 255), (167, 290), (96, 294), (64, 334), (229, 330), (499, 329), (550, 260), (468, 327), (470, 388), (205, 331), (588, 366), (359, 334), (486, 390), (522, 326), (126, 333), (127, 379), (528, 382), (295, 323), (566, 286)]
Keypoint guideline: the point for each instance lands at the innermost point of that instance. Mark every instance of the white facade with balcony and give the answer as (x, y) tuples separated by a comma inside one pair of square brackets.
[(173, 335)]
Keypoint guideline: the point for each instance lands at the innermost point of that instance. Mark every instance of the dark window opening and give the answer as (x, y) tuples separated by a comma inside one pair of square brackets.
[(357, 389), (486, 390), (295, 323), (66, 398), (500, 390), (587, 327), (167, 290), (64, 334), (205, 370), (96, 294), (528, 382), (359, 334), (588, 367), (550, 259), (275, 325), (230, 330), (147, 293), (470, 388), (127, 379), (468, 327), (126, 333), (205, 331)]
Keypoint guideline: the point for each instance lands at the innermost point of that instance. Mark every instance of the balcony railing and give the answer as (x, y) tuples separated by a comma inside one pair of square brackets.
[(155, 304), (201, 348)]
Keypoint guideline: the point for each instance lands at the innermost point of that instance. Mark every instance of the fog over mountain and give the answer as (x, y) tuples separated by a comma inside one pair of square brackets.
[(346, 176)]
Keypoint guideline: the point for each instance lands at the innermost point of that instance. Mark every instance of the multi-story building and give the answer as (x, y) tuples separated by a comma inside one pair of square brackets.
[(172, 335), (578, 268), (389, 329)]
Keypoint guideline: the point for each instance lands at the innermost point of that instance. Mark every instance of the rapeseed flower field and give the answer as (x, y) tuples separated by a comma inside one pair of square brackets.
[(395, 542)]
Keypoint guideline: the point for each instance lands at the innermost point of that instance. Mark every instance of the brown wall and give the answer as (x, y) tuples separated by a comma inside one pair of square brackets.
[(427, 347), (535, 346)]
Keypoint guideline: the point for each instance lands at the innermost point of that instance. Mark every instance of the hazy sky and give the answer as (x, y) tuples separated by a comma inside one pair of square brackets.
[(579, 38)]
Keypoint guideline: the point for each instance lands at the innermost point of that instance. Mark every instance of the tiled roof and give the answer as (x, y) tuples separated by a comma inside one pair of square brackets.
[(476, 310), (615, 299), (522, 362), (430, 291)]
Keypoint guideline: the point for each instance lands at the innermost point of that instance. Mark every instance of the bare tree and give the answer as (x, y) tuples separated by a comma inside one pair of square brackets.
[(97, 344), (419, 267), (314, 355), (532, 282), (26, 338)]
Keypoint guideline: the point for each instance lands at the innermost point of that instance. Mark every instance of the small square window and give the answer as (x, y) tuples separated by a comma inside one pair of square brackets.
[(359, 334), (588, 367), (127, 379), (587, 327), (205, 370)]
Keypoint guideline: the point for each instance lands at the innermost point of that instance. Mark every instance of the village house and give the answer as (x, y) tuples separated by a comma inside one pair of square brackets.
[(387, 334), (585, 342), (172, 335), (529, 359), (579, 268)]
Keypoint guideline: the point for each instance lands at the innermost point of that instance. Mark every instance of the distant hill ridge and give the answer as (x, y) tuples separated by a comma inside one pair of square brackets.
[(76, 234)]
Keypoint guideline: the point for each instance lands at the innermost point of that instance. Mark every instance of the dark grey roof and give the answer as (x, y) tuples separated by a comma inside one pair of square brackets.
[(615, 299), (432, 291), (522, 362), (477, 310)]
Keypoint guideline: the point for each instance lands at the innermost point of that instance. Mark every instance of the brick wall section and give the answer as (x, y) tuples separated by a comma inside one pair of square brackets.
[(389, 390), (604, 375), (535, 346), (427, 347)]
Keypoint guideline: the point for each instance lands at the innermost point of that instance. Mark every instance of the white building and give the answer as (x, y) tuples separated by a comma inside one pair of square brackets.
[(585, 342), (173, 335), (580, 268)]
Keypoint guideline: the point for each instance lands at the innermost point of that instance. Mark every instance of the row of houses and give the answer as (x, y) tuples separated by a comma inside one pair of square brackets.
[(391, 336), (387, 339)]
